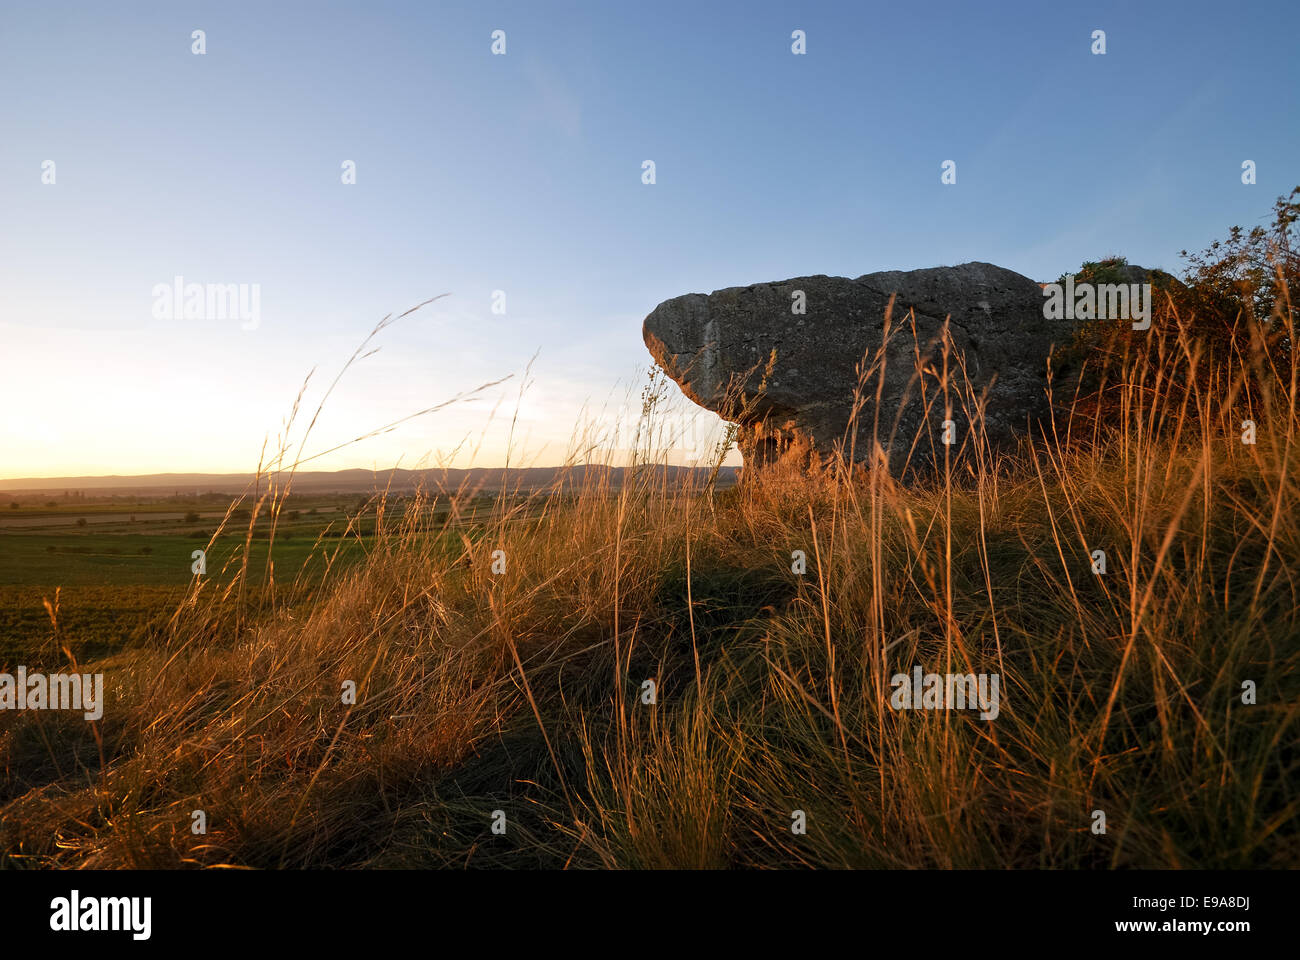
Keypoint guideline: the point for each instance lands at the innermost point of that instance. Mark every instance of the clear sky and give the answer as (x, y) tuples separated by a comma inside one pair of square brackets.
[(522, 173)]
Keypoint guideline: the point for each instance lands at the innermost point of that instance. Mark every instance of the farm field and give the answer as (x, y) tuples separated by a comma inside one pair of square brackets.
[(118, 571)]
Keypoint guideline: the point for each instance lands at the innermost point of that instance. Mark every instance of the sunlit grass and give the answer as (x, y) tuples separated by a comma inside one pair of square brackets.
[(522, 691)]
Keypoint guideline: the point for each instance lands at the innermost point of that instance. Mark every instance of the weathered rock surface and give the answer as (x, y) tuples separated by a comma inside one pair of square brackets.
[(798, 412)]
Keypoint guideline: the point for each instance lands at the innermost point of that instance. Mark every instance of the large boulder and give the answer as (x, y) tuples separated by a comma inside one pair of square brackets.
[(789, 378)]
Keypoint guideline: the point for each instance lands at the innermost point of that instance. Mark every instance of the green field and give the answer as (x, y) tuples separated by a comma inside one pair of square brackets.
[(121, 569)]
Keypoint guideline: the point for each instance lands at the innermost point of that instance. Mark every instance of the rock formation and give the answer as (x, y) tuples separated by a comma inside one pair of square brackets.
[(783, 360)]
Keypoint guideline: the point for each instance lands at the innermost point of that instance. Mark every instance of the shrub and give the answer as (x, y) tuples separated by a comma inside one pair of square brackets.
[(1246, 278), (1230, 310)]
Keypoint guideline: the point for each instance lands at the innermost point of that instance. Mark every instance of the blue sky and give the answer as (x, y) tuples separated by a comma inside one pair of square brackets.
[(522, 173)]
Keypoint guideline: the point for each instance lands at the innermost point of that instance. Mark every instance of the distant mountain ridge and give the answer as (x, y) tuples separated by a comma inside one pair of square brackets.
[(487, 479)]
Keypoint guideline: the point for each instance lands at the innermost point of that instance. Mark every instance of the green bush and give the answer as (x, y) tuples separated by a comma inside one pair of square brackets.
[(1230, 302)]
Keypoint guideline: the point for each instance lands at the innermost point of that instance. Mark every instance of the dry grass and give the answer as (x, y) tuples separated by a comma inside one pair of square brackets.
[(522, 691)]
